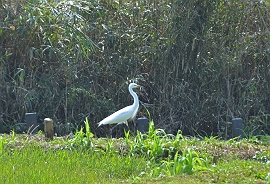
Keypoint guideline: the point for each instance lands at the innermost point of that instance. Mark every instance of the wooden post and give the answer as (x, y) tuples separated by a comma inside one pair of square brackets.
[(48, 128)]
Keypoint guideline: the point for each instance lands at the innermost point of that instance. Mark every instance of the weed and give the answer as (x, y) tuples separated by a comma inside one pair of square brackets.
[(2, 143), (268, 178), (109, 147), (81, 138), (88, 133), (188, 163)]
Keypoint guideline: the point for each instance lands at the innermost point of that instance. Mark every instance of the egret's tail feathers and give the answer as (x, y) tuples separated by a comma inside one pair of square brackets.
[(99, 124)]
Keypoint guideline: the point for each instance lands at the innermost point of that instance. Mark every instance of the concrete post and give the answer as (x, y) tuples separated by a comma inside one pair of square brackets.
[(238, 127), (48, 128), (143, 125), (31, 122)]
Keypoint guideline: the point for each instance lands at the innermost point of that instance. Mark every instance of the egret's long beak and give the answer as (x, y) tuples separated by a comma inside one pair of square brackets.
[(138, 86)]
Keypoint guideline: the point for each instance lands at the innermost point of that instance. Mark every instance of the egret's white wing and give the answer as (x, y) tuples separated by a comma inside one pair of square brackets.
[(119, 116)]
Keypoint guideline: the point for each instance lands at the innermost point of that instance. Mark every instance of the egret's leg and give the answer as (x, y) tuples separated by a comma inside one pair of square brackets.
[(124, 122), (115, 127), (120, 123)]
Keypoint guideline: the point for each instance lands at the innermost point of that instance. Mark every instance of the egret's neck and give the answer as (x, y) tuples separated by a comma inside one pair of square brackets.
[(135, 97)]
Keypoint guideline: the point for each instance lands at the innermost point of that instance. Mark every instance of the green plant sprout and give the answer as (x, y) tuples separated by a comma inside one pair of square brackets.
[(83, 139)]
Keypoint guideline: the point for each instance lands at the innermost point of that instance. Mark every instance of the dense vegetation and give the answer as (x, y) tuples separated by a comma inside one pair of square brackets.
[(201, 62)]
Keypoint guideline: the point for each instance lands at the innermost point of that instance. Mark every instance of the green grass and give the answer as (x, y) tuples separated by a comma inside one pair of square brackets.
[(33, 164), (155, 157)]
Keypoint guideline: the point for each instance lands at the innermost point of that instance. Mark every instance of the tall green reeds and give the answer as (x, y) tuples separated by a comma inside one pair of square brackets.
[(201, 62)]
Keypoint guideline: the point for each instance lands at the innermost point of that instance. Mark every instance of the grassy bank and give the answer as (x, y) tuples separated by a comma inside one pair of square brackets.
[(154, 157)]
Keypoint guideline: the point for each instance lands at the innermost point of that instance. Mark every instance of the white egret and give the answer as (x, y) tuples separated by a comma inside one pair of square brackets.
[(127, 113)]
